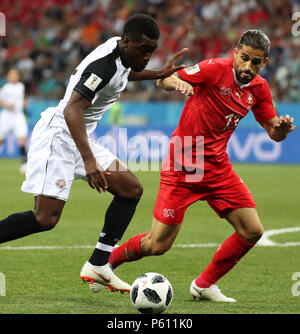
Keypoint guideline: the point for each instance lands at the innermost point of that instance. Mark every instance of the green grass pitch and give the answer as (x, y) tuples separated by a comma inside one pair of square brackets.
[(47, 280)]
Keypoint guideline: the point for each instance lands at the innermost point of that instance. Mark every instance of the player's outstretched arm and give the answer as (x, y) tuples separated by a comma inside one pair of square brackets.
[(166, 71), (174, 82), (278, 128)]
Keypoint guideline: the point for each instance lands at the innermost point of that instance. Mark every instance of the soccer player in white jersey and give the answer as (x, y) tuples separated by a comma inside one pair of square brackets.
[(12, 118), (61, 149)]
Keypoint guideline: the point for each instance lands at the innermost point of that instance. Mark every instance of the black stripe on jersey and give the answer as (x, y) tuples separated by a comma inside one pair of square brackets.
[(105, 68)]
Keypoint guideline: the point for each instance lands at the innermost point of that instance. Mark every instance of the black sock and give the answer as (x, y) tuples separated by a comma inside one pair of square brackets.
[(23, 154), (19, 225), (117, 218)]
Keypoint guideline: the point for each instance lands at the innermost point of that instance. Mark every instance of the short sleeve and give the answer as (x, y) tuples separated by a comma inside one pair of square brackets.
[(264, 109), (95, 76), (206, 72)]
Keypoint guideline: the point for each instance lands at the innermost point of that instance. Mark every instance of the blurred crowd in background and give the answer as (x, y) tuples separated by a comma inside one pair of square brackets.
[(46, 40)]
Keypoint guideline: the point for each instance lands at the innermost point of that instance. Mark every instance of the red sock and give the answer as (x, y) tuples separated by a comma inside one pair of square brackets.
[(129, 251), (226, 257)]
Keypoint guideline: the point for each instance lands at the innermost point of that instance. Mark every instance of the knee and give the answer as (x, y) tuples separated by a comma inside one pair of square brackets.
[(254, 234), (135, 191), (47, 220), (157, 247), (259, 232)]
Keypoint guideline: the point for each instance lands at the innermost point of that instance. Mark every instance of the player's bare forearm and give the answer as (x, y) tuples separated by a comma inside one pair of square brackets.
[(174, 82), (279, 128), (145, 75), (152, 75), (168, 69), (168, 83)]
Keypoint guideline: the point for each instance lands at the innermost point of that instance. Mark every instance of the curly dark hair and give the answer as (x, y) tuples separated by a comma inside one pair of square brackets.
[(141, 24)]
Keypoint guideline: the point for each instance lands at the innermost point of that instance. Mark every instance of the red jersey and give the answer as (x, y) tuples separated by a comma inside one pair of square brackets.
[(217, 106)]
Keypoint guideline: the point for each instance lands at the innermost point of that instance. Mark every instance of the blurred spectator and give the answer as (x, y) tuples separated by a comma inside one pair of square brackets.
[(115, 117), (47, 39)]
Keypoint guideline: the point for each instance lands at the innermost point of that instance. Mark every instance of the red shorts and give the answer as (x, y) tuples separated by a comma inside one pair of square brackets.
[(223, 190)]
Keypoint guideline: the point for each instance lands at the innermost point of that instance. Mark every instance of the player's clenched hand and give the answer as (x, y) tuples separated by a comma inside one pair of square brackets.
[(284, 125), (170, 67), (96, 176)]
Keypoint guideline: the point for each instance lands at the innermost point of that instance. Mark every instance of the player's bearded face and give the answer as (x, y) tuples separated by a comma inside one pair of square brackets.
[(247, 63)]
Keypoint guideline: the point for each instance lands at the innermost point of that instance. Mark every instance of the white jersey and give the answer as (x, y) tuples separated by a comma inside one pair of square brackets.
[(100, 77), (13, 93), (13, 120)]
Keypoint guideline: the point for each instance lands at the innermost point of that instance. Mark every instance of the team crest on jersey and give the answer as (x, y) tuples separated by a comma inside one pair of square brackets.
[(60, 183), (192, 70), (225, 91), (92, 82), (250, 99)]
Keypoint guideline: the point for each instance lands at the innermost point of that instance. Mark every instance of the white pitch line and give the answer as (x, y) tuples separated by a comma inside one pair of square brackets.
[(91, 247), (265, 241), (195, 245), (44, 247)]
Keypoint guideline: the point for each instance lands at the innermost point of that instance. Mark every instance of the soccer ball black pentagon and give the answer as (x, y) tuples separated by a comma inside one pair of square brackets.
[(151, 293)]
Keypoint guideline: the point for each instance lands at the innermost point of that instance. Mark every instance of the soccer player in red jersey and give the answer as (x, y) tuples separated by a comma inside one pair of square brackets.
[(222, 92)]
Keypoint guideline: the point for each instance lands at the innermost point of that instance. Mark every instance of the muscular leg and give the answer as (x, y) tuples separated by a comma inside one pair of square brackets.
[(160, 238), (22, 144), (1, 143), (156, 242), (127, 191), (47, 211), (22, 141), (248, 231), (122, 182), (43, 218), (246, 224)]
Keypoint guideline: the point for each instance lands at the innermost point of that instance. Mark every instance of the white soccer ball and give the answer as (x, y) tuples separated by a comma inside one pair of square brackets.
[(151, 293)]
